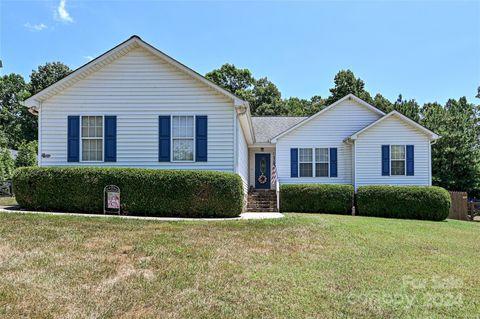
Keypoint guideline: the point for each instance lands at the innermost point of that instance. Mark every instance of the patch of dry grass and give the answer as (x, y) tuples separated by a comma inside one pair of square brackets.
[(296, 267)]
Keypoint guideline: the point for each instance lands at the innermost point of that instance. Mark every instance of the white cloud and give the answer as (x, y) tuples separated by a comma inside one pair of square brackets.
[(35, 27), (88, 57), (61, 13)]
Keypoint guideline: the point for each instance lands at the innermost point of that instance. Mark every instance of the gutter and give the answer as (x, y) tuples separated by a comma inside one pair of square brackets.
[(32, 107), (243, 112)]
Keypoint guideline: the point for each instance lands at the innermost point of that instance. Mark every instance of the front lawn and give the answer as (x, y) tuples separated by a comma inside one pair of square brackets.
[(296, 267)]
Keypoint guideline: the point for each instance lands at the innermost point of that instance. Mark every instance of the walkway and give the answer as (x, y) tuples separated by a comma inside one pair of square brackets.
[(244, 216)]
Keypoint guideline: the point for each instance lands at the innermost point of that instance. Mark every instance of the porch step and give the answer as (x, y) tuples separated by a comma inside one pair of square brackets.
[(262, 201)]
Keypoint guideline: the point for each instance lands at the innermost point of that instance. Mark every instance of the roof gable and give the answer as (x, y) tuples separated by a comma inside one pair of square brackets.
[(331, 106), (110, 56), (401, 117)]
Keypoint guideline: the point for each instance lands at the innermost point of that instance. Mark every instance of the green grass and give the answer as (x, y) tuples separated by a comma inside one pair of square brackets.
[(7, 201), (316, 266)]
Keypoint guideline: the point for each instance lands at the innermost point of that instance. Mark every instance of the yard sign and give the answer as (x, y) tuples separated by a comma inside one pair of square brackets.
[(111, 199)]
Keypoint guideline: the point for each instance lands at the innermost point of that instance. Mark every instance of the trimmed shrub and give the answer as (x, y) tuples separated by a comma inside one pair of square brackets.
[(412, 202), (317, 198), (149, 192)]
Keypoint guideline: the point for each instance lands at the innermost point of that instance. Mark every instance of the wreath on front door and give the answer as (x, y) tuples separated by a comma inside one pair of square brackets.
[(262, 179)]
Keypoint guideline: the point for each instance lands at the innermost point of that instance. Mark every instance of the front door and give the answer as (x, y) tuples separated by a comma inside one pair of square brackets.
[(262, 171)]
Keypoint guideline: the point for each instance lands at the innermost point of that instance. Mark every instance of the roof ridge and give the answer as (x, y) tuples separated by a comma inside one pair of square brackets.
[(291, 116)]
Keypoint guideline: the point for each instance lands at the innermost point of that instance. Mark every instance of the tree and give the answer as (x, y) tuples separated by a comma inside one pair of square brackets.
[(46, 75), (455, 156), (27, 154), (270, 109), (382, 103), (7, 164), (3, 139), (408, 108), (264, 93), (15, 120), (294, 106), (237, 81), (346, 83)]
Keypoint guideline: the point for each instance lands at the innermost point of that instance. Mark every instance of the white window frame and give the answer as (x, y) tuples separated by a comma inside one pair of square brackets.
[(92, 138), (312, 162), (404, 160), (327, 162), (185, 138)]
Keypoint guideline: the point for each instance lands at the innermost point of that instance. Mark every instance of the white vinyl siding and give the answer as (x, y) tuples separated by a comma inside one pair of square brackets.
[(391, 132), (242, 158), (137, 88), (328, 130)]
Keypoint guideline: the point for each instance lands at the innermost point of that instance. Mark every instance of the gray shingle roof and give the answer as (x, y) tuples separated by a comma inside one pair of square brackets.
[(267, 127)]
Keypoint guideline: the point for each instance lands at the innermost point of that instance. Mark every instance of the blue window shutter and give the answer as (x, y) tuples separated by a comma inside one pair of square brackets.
[(201, 136), (333, 162), (294, 162), (410, 160), (73, 140), (110, 138), (164, 138), (385, 160)]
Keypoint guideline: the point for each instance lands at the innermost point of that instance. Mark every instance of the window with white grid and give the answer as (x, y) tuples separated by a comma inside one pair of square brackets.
[(92, 138), (306, 162), (397, 158), (321, 162), (183, 136)]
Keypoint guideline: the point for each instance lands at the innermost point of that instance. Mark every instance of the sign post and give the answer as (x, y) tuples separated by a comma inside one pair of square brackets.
[(111, 199)]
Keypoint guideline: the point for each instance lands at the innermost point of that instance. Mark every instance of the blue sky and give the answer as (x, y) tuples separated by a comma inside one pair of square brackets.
[(425, 50)]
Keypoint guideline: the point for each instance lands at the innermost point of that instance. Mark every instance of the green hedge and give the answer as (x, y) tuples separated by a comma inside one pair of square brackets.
[(317, 198), (412, 202), (150, 192)]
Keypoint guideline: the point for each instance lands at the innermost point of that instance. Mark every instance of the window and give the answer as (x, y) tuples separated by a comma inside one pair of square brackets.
[(397, 159), (183, 138), (306, 162), (321, 162), (92, 138)]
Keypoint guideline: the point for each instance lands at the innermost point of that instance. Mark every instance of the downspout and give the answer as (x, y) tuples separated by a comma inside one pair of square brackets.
[(39, 133), (430, 161), (354, 167), (354, 172), (235, 142), (237, 112), (277, 183)]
